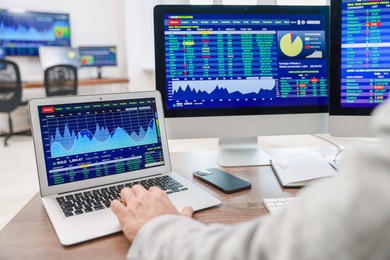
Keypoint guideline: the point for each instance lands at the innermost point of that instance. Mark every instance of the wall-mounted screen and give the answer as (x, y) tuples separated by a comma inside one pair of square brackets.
[(22, 33)]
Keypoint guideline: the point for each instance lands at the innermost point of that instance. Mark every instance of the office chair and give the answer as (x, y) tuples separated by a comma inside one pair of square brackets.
[(10, 92), (61, 80)]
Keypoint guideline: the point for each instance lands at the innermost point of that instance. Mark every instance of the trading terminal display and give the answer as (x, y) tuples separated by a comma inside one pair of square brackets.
[(365, 53), (90, 140), (231, 60)]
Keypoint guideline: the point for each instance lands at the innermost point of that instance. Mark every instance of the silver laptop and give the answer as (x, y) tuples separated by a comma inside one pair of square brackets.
[(89, 147)]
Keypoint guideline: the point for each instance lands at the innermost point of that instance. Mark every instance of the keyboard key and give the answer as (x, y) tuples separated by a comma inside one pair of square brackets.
[(78, 212), (60, 199), (270, 200), (69, 214), (98, 207)]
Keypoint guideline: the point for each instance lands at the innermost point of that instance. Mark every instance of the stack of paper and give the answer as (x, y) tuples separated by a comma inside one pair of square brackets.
[(297, 170)]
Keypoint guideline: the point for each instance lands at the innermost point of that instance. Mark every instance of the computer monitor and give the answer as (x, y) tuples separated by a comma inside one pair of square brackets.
[(51, 56), (98, 56), (360, 70), (237, 72), (22, 32)]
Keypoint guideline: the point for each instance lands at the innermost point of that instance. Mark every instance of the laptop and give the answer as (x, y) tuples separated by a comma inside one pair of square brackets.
[(89, 147)]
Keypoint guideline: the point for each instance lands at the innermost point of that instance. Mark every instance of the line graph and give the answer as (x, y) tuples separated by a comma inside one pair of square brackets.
[(22, 32), (223, 89), (80, 134)]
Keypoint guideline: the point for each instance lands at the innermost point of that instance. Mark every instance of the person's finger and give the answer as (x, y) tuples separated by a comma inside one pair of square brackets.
[(138, 190), (126, 194), (159, 192), (117, 207), (187, 211)]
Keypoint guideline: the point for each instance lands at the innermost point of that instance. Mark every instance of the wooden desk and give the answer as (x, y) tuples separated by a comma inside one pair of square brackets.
[(81, 82), (29, 235)]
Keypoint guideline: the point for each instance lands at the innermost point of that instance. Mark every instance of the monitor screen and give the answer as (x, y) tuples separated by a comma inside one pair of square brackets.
[(92, 133), (359, 67), (51, 56), (232, 64), (22, 33), (98, 56)]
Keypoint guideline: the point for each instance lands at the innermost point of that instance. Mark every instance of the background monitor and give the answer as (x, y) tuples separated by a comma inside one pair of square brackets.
[(98, 56), (360, 68), (22, 33), (237, 72), (50, 56)]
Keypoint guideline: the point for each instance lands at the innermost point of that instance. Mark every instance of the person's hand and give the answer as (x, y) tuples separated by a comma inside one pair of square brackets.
[(139, 205)]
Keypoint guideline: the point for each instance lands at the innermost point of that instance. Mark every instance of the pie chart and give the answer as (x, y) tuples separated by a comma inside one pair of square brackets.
[(291, 45)]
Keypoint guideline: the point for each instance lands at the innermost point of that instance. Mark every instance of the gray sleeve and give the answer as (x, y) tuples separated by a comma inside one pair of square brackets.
[(175, 237)]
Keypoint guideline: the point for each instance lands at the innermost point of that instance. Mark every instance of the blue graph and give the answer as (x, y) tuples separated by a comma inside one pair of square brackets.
[(219, 93), (26, 33), (101, 140), (33, 27), (223, 89)]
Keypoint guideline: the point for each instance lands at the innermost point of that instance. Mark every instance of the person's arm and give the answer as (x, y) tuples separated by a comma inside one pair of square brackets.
[(171, 236), (342, 218)]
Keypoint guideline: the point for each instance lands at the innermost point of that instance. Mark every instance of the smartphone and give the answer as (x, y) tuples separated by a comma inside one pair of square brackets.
[(221, 180)]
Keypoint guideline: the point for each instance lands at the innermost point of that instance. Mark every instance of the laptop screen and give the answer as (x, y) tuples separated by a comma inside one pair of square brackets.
[(95, 139)]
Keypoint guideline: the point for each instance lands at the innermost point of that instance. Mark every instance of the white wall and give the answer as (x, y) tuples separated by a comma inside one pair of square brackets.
[(140, 46)]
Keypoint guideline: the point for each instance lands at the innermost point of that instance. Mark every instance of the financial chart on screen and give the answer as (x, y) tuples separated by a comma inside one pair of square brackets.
[(84, 141), (365, 53), (251, 60), (22, 33)]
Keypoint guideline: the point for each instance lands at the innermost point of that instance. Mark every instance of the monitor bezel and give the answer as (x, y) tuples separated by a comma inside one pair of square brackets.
[(97, 46), (335, 107), (161, 10)]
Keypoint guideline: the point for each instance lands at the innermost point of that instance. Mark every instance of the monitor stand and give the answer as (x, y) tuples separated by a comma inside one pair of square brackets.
[(99, 70), (243, 151)]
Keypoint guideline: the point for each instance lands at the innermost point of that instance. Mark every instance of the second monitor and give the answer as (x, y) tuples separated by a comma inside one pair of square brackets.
[(98, 56)]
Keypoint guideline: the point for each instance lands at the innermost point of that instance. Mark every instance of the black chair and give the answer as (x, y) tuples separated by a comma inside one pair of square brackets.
[(10, 92), (61, 80)]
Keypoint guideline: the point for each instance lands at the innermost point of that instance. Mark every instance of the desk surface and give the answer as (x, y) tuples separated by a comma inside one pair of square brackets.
[(81, 82), (29, 235)]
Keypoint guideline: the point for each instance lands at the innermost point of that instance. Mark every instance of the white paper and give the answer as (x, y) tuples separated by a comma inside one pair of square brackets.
[(302, 167)]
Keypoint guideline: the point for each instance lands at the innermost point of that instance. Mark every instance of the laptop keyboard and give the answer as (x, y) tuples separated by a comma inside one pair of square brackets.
[(100, 198)]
